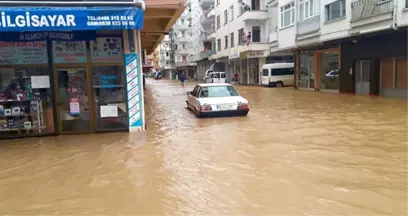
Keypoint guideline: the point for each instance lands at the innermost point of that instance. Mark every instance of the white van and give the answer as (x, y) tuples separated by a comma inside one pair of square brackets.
[(278, 74), (216, 77)]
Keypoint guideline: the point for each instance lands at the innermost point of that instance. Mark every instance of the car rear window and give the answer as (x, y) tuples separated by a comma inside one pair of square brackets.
[(218, 91)]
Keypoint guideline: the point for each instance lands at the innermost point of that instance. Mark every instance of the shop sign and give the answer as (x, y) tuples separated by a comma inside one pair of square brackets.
[(69, 51), (107, 49), (52, 36), (133, 91), (257, 54), (69, 18), (14, 53), (234, 55)]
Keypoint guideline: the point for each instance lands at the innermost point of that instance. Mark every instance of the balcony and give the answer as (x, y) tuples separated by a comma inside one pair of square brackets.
[(247, 13), (182, 39), (182, 64), (370, 11), (206, 54), (180, 26), (208, 17), (308, 25), (183, 51), (260, 44), (206, 3)]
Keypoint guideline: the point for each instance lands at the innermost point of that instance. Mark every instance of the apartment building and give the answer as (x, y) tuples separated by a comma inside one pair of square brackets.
[(203, 35), (242, 37), (167, 56), (177, 46), (354, 46)]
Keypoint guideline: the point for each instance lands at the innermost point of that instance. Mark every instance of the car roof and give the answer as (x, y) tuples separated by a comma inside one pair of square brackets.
[(278, 65), (213, 84)]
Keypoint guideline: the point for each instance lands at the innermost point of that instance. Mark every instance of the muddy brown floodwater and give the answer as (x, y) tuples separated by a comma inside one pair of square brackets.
[(297, 152)]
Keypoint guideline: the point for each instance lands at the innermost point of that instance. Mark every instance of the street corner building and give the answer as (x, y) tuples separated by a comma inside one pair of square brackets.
[(70, 67)]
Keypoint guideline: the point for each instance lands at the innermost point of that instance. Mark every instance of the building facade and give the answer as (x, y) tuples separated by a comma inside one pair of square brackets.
[(177, 46), (350, 46)]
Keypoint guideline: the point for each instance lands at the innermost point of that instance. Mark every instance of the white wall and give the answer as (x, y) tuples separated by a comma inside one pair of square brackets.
[(286, 35), (334, 29)]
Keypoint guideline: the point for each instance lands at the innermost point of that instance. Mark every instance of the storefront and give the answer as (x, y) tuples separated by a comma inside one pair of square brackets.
[(68, 70), (318, 69)]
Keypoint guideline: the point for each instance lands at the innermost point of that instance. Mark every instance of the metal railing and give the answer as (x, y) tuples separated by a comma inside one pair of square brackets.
[(243, 9), (363, 9), (207, 53), (256, 41)]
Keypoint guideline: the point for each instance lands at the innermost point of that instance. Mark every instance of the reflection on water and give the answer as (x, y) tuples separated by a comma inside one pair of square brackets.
[(297, 152)]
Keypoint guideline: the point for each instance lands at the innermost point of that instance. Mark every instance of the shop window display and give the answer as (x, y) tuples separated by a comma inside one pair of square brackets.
[(306, 71), (329, 71), (110, 99), (25, 101)]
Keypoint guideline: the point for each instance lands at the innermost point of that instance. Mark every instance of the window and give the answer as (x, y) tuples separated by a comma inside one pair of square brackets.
[(225, 17), (240, 36), (282, 71), (215, 75), (183, 46), (219, 44), (232, 12), (223, 75), (218, 91), (256, 34), (232, 40), (218, 22), (287, 15), (218, 2), (226, 42), (182, 21), (335, 10), (167, 53), (265, 72), (306, 9)]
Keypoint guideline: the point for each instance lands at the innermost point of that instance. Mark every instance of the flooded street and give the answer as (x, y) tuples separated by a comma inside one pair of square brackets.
[(297, 152)]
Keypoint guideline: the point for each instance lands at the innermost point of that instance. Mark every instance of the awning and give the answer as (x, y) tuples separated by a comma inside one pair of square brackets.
[(69, 18)]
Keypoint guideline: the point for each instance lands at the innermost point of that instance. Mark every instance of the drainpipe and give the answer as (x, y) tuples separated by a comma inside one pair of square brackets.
[(394, 16)]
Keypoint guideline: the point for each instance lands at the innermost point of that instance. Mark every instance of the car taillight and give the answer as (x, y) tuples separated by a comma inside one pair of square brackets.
[(206, 108), (243, 106)]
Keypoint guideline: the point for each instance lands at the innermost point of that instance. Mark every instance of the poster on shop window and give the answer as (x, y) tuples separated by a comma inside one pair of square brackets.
[(133, 91), (69, 51), (17, 53), (107, 49)]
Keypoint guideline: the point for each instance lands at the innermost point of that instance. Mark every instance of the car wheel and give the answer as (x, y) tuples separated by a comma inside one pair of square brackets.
[(279, 84), (197, 113)]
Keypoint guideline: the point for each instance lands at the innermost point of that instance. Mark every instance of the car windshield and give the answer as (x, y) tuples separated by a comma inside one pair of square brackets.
[(218, 91)]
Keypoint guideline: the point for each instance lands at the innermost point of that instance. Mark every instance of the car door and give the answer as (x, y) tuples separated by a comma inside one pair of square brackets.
[(192, 95), (216, 77), (223, 77), (195, 101)]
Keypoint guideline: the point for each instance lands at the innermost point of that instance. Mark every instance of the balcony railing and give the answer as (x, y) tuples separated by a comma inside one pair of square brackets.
[(363, 9), (206, 3), (208, 16), (207, 53), (308, 25), (245, 8), (256, 41)]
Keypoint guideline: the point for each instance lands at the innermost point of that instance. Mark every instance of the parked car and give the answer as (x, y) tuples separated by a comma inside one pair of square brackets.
[(216, 77), (216, 99), (332, 74), (278, 74)]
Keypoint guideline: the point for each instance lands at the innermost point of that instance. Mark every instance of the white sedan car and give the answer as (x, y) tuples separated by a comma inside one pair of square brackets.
[(216, 99)]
